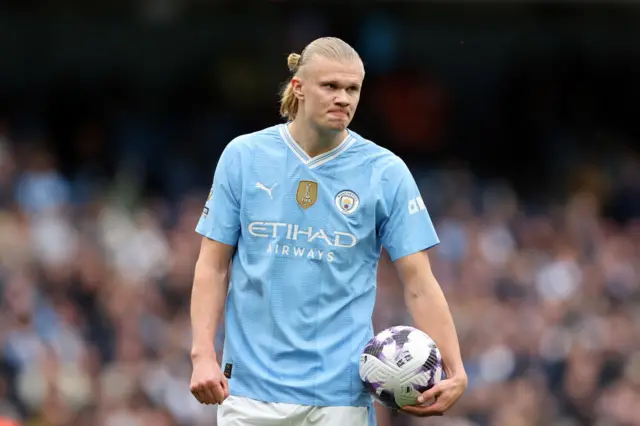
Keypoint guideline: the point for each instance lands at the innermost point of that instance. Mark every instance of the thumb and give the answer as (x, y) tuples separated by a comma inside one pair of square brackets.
[(429, 394)]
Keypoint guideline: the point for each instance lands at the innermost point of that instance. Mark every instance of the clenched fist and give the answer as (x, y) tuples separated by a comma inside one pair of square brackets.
[(208, 384)]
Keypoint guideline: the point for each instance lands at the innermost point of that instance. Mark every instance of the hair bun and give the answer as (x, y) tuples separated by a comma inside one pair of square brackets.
[(292, 61)]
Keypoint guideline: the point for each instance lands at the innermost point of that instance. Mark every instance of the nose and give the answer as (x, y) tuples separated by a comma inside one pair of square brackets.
[(341, 99)]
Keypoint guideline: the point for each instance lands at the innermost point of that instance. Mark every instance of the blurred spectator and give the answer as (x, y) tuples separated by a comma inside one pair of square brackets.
[(540, 236), (95, 330)]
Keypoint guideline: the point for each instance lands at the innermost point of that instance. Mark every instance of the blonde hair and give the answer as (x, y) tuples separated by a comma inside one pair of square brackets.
[(328, 47)]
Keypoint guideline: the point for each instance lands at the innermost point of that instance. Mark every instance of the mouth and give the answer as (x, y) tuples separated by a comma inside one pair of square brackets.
[(339, 113)]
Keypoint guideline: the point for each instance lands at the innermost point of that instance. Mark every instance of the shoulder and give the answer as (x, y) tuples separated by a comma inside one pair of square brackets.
[(249, 142), (384, 161)]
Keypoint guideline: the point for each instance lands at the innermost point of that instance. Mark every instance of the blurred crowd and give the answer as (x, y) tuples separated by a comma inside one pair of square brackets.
[(95, 289)]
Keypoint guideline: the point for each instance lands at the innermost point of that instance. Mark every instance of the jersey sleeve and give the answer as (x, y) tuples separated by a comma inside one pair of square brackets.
[(406, 227), (220, 219)]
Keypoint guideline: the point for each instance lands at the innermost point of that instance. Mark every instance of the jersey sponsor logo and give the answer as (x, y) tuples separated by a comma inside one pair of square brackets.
[(347, 202), (295, 232), (292, 240), (307, 193), (293, 251)]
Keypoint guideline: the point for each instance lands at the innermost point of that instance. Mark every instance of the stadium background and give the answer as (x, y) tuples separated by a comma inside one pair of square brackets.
[(519, 122)]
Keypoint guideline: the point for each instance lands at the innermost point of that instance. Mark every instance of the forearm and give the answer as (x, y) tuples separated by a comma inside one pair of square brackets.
[(430, 313), (207, 304)]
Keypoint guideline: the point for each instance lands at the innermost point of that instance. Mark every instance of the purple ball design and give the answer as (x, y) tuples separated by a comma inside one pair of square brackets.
[(398, 364)]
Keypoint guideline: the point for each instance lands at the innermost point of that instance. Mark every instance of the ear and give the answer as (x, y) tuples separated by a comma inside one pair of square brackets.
[(296, 86)]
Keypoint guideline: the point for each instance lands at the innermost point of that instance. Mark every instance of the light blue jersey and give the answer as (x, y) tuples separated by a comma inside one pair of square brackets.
[(308, 233)]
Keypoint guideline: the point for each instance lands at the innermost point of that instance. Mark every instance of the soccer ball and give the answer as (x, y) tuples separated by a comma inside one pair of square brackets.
[(399, 364)]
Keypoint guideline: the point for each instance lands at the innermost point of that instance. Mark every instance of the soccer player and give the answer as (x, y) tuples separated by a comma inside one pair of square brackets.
[(292, 233)]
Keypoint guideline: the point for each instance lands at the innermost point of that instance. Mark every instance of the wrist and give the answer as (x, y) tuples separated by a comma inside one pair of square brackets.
[(203, 353), (458, 372)]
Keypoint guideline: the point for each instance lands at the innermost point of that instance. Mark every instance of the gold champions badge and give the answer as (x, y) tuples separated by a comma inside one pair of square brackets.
[(307, 193)]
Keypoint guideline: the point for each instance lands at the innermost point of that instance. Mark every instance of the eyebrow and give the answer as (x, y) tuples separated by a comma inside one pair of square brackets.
[(338, 83)]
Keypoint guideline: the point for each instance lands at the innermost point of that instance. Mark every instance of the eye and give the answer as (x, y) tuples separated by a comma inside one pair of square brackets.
[(330, 86)]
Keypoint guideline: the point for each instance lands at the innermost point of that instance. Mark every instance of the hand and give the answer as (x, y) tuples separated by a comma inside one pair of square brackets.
[(208, 384), (445, 393)]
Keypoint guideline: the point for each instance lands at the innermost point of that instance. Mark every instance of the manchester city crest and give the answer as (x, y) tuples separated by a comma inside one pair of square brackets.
[(347, 202)]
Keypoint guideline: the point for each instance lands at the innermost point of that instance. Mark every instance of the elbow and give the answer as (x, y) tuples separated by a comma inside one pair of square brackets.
[(420, 288), (414, 289)]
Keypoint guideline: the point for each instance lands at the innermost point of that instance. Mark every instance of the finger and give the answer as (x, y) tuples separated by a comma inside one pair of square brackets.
[(207, 397), (430, 411), (434, 410), (210, 394), (218, 392), (225, 387), (430, 394), (199, 395)]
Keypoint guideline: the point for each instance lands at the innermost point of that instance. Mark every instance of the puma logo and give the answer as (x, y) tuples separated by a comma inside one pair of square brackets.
[(260, 185)]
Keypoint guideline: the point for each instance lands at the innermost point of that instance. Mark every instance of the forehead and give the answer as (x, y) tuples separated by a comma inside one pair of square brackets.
[(323, 69)]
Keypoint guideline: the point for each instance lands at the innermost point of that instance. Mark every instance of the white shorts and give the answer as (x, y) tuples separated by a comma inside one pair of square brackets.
[(241, 411)]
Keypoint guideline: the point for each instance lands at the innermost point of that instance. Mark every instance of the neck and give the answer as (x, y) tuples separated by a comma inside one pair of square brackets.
[(315, 142)]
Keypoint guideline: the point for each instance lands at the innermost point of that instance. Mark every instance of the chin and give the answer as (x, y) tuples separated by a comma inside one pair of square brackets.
[(336, 125)]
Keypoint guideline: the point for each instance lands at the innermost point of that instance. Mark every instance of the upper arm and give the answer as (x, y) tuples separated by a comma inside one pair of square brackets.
[(220, 219), (215, 254), (417, 276), (414, 266), (406, 226)]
